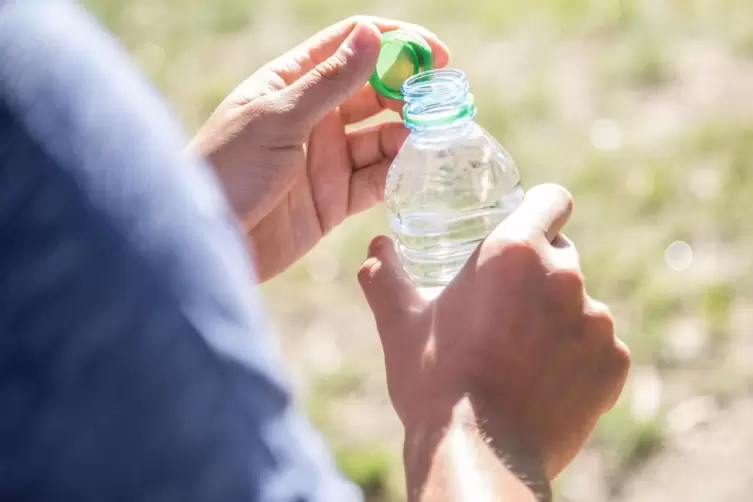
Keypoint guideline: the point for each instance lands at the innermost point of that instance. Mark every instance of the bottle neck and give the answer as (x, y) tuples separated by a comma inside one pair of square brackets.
[(438, 100)]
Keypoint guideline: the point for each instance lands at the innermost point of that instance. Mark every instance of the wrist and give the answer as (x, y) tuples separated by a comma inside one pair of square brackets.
[(424, 438), (518, 454)]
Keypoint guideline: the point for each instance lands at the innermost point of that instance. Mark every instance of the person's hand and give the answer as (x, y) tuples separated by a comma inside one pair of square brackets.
[(515, 337), (279, 144)]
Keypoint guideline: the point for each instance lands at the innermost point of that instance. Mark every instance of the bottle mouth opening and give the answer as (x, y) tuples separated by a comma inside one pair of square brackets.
[(445, 80), (437, 97)]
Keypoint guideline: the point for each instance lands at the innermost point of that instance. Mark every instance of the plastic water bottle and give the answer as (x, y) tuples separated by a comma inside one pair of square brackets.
[(451, 184)]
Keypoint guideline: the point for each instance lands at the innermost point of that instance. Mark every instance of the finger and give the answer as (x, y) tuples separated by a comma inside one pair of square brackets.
[(616, 360), (367, 187), (332, 81), (601, 312), (366, 103), (439, 50), (323, 45), (391, 294), (374, 144), (542, 215)]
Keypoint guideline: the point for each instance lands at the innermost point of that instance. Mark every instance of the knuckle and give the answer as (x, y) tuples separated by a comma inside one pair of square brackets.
[(613, 353), (505, 257), (378, 245), (333, 67), (511, 230), (367, 270), (614, 373), (328, 69), (622, 358), (514, 250), (569, 282), (600, 322), (373, 263)]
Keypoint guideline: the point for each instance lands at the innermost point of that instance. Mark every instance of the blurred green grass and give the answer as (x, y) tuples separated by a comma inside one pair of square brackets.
[(642, 108)]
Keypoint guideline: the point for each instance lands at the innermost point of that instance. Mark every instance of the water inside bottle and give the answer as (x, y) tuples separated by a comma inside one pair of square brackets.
[(450, 185), (433, 249), (445, 198)]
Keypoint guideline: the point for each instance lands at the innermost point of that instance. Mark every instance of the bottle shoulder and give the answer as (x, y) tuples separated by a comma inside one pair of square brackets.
[(431, 139), (472, 162), (471, 143)]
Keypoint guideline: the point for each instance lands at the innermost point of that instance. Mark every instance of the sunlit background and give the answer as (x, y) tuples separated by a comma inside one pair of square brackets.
[(643, 109)]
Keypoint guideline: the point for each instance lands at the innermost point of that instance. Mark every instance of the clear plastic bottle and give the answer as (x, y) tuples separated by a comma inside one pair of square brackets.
[(451, 183)]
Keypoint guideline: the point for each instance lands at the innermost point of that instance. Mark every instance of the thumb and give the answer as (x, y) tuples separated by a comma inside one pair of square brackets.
[(544, 212), (390, 292), (338, 77)]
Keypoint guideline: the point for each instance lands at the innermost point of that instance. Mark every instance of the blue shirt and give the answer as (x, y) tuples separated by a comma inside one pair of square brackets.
[(135, 363)]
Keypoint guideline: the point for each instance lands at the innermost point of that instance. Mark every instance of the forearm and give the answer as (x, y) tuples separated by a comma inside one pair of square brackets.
[(457, 461)]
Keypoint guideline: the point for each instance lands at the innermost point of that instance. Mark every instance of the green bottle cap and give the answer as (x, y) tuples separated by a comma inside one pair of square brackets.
[(404, 54)]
